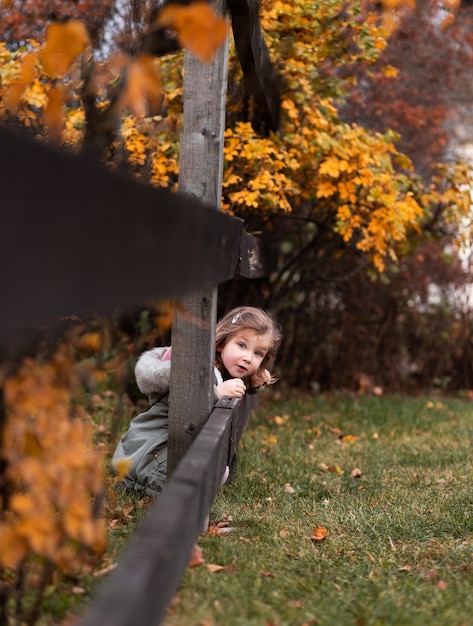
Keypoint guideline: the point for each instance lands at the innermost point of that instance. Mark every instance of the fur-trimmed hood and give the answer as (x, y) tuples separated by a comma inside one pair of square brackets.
[(153, 375)]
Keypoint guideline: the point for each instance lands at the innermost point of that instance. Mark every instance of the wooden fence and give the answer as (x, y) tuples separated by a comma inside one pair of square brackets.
[(91, 240), (82, 248)]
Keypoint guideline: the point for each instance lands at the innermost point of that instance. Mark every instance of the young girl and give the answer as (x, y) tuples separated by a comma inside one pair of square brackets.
[(246, 343)]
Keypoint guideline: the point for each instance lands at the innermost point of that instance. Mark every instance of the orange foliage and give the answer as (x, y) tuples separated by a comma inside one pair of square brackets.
[(54, 473)]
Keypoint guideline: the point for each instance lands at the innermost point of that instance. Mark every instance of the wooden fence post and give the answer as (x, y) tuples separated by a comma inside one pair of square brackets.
[(200, 173)]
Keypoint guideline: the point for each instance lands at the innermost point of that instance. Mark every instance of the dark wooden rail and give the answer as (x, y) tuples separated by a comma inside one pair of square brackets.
[(66, 262), (91, 240), (78, 237), (139, 591)]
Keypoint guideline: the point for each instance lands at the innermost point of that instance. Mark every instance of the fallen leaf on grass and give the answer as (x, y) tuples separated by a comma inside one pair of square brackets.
[(197, 558), (333, 469), (280, 421), (219, 531), (289, 489), (319, 534), (356, 473), (336, 431), (349, 438), (213, 569)]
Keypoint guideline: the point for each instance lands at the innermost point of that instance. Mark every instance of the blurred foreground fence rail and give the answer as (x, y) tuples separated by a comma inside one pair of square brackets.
[(77, 237)]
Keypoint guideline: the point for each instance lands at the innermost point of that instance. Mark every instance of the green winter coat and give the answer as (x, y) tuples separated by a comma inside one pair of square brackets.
[(145, 441)]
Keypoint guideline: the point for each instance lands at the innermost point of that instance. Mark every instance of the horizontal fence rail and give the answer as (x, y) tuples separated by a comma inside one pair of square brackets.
[(78, 237), (140, 590)]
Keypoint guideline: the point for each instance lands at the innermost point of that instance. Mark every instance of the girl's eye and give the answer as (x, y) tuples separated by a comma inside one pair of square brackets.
[(241, 345)]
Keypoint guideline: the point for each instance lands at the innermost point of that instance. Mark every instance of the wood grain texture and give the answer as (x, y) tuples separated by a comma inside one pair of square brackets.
[(139, 590)]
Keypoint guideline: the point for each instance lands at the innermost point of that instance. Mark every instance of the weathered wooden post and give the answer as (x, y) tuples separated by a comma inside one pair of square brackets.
[(200, 174)]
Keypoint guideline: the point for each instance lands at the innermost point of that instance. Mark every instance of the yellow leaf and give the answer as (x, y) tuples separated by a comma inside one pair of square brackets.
[(198, 27), (122, 467), (330, 166), (325, 189), (390, 71), (64, 42), (349, 438)]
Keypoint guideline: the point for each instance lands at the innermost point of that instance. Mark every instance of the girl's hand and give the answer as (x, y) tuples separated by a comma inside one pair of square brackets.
[(234, 388)]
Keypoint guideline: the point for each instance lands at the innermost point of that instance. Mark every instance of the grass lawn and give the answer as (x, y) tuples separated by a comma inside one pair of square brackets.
[(390, 480)]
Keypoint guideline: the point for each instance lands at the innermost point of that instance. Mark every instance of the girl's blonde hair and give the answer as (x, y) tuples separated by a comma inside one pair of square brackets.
[(249, 318)]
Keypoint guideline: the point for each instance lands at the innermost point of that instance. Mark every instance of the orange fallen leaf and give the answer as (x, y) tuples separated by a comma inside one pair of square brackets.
[(197, 557), (319, 534), (218, 531), (356, 472)]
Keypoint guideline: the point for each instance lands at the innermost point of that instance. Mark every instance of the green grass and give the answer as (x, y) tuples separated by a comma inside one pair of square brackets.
[(400, 543)]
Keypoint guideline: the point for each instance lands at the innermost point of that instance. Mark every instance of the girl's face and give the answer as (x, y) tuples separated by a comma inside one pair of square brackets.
[(243, 353)]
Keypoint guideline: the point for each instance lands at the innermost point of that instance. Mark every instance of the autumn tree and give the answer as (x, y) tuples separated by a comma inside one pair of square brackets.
[(331, 197), (419, 86)]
